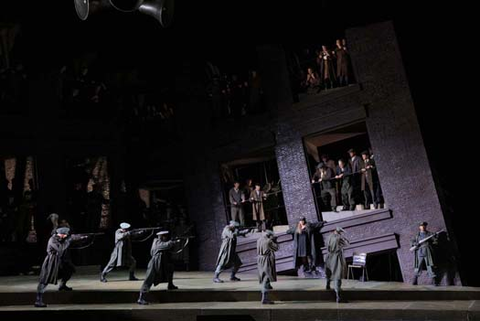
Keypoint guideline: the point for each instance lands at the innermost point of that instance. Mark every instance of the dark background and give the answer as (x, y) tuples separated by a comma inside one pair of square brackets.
[(438, 59)]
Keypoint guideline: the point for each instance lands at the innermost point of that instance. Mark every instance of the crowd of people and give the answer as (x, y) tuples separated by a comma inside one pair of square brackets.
[(316, 69), (234, 95), (85, 94), (252, 201), (349, 182)]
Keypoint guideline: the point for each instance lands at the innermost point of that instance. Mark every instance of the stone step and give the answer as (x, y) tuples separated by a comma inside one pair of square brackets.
[(232, 311), (83, 297)]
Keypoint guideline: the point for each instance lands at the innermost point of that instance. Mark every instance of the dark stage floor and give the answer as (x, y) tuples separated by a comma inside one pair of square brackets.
[(296, 299)]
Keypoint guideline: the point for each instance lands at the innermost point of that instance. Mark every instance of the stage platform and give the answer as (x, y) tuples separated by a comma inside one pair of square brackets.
[(198, 297)]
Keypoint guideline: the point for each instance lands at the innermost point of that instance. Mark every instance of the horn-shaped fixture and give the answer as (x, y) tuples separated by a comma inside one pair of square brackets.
[(126, 5), (161, 10), (82, 7)]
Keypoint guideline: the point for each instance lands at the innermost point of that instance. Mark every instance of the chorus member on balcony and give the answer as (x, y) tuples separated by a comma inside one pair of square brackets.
[(370, 182), (304, 249), (326, 178), (312, 83), (344, 174), (122, 252), (257, 197), (237, 199), (327, 70), (247, 190), (327, 161), (228, 257), (57, 263), (266, 247), (343, 63), (335, 261), (160, 268), (356, 164)]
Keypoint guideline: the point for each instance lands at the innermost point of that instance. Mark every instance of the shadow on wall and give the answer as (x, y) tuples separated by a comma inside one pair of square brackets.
[(445, 260)]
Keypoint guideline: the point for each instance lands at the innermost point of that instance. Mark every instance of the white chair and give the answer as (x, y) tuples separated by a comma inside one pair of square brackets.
[(359, 262)]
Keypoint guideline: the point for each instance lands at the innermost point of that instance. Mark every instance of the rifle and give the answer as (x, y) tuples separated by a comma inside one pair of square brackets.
[(141, 229), (183, 237), (144, 229), (90, 234), (416, 246), (90, 243)]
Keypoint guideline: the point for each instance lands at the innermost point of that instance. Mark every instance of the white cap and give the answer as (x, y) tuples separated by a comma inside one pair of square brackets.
[(125, 225), (162, 233)]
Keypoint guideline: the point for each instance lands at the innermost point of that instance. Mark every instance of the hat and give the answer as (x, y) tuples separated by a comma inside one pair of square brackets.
[(63, 230), (124, 225), (302, 218), (53, 216), (234, 223), (365, 152), (351, 150), (163, 232), (339, 229), (320, 165), (423, 224)]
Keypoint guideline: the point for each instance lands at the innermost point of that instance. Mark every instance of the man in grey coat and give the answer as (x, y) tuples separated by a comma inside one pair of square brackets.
[(424, 253), (122, 252), (57, 264), (335, 262), (160, 268), (237, 199), (228, 257), (267, 272)]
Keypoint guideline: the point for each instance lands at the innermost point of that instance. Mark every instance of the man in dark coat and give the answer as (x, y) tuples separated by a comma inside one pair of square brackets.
[(122, 252), (237, 198), (57, 263), (343, 63), (327, 187), (344, 174), (257, 198), (335, 262), (304, 249), (267, 272), (424, 253), (160, 268), (327, 71), (228, 257), (370, 182), (356, 164)]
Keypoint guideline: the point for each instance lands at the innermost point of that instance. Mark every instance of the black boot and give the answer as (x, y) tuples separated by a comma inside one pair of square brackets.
[(39, 301), (327, 287), (64, 287), (415, 280), (265, 299), (171, 286), (142, 298), (103, 278), (216, 278), (340, 298), (132, 277), (234, 278)]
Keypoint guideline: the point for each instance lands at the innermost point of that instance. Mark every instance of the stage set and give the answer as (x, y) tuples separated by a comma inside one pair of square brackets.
[(314, 152), (199, 299)]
